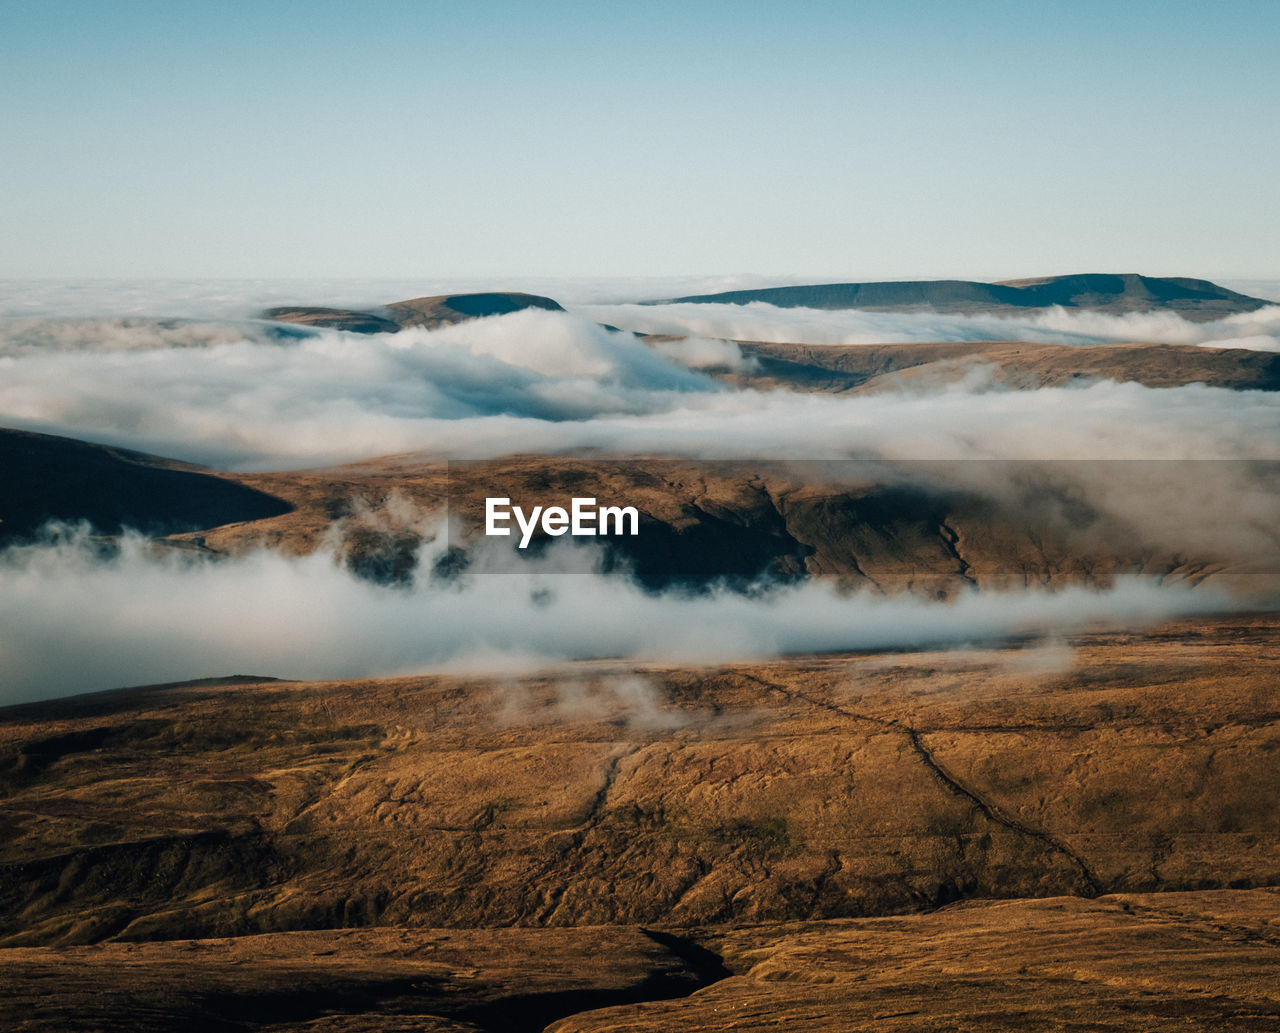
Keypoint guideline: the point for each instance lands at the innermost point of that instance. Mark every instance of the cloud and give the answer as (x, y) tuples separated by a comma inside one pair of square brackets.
[(706, 353), (258, 399), (635, 701), (758, 321), (251, 395), (244, 396), (1222, 515), (613, 300), (73, 619), (30, 338)]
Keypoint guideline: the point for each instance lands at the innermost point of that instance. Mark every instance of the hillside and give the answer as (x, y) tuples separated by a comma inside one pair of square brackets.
[(931, 528), (53, 478), (935, 529), (1020, 365), (430, 312), (1115, 294), (1156, 962), (815, 787), (689, 817)]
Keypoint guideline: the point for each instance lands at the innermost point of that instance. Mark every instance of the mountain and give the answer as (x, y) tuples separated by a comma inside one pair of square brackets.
[(1195, 300), (929, 528), (1070, 833), (1116, 294), (430, 312), (44, 478)]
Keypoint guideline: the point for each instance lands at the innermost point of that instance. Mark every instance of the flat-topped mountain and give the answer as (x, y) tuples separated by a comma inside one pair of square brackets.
[(1198, 300), (431, 312)]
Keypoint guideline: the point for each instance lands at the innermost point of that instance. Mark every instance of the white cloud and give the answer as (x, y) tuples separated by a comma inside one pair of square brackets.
[(256, 396), (758, 321), (74, 621), (240, 397)]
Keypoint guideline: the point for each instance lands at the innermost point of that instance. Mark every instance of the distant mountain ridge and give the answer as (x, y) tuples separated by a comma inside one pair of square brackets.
[(1116, 294), (1111, 293)]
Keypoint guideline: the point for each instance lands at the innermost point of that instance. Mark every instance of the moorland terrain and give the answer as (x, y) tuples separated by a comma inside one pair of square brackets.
[(268, 854), (1080, 832)]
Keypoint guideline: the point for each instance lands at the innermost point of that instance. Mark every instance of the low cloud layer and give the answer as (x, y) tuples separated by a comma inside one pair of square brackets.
[(260, 396), (72, 620), (242, 394), (758, 321)]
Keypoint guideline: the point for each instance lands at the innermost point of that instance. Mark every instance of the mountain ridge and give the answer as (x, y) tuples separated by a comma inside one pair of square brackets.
[(1112, 293)]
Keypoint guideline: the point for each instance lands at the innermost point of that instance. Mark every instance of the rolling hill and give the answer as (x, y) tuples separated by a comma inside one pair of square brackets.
[(430, 312), (245, 853), (930, 528), (1115, 294), (47, 478), (1020, 365)]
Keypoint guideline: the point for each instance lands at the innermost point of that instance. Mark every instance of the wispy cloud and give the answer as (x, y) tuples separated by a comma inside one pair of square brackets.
[(758, 321), (73, 620)]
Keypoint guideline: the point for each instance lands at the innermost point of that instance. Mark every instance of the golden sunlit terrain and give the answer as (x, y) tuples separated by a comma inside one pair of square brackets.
[(674, 825)]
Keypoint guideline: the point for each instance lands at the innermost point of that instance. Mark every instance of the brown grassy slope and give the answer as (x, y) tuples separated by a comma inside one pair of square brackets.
[(351, 320), (1158, 963), (448, 309), (1016, 364), (353, 981), (920, 526), (805, 788), (699, 520), (1135, 962)]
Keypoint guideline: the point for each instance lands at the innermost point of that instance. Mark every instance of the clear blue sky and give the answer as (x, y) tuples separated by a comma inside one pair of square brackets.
[(877, 140)]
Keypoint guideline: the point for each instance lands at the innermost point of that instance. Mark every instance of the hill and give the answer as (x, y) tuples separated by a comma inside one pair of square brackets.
[(1161, 963), (430, 312), (1115, 294), (858, 368), (53, 478), (249, 852), (931, 528)]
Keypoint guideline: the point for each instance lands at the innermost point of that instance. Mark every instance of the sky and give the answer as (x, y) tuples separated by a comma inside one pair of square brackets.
[(983, 140)]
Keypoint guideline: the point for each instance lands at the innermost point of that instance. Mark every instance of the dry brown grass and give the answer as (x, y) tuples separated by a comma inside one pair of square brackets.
[(752, 813)]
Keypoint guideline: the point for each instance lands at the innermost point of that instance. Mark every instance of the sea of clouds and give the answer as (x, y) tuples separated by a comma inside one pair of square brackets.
[(257, 396), (73, 619), (187, 373), (758, 321)]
